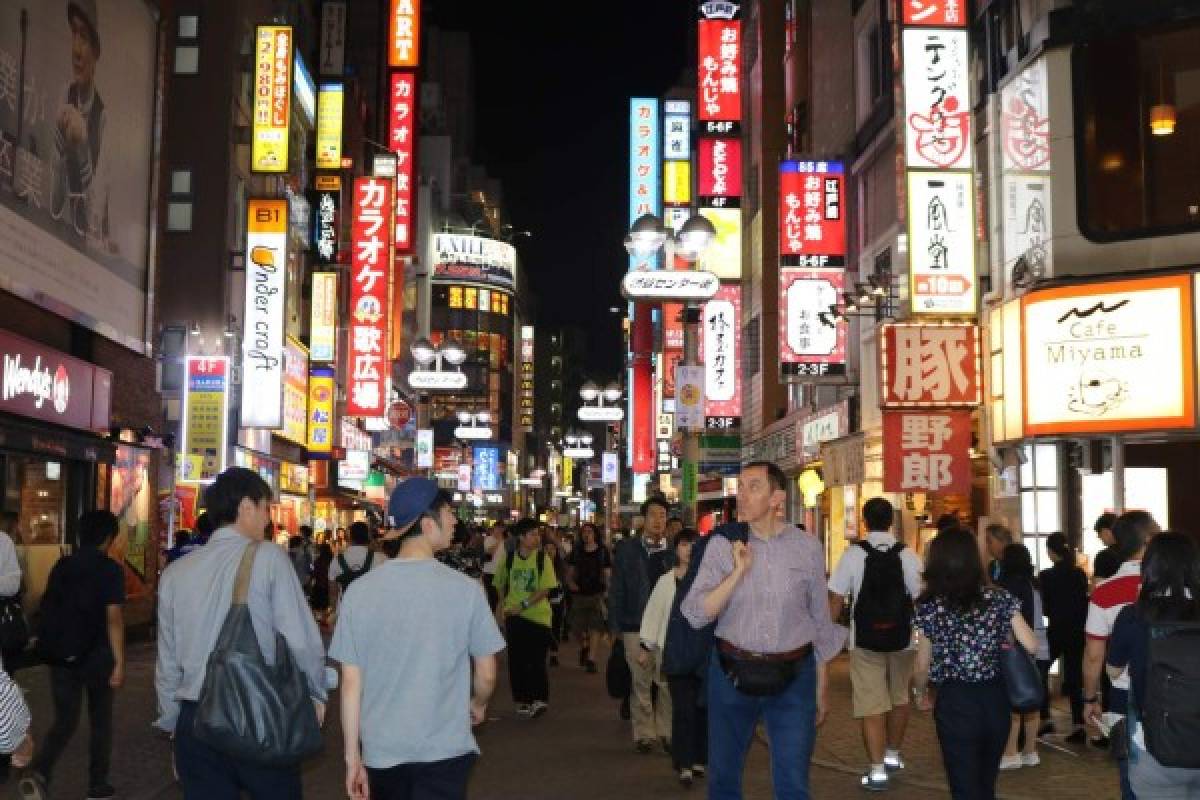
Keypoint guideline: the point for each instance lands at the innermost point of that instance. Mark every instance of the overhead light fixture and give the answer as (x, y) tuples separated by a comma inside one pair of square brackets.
[(1162, 116), (849, 301)]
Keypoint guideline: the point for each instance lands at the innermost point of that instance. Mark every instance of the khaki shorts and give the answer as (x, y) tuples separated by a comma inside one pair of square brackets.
[(879, 681), (587, 613)]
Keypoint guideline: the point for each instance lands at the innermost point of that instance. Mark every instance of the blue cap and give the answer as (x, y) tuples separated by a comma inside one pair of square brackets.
[(410, 500)]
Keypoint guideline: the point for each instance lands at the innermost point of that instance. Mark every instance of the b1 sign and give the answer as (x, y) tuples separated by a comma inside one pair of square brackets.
[(263, 319)]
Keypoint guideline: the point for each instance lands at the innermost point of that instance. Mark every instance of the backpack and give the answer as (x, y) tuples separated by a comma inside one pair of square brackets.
[(67, 632), (883, 609), (512, 554), (348, 576), (1171, 708), (687, 649)]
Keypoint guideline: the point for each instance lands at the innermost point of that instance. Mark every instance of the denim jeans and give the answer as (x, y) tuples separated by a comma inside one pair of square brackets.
[(790, 718)]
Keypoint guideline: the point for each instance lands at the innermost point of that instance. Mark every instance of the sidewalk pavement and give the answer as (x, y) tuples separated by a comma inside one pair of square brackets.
[(580, 749)]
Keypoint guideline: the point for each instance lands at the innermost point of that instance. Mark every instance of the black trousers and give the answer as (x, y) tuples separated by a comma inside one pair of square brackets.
[(972, 722), (206, 774), (493, 596), (1067, 650), (68, 688), (433, 780), (689, 722), (527, 646)]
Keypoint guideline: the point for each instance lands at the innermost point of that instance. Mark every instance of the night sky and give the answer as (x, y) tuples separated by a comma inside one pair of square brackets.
[(552, 105)]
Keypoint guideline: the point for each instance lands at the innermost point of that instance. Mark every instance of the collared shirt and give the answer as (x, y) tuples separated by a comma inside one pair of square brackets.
[(1108, 598), (195, 594), (847, 576), (779, 605)]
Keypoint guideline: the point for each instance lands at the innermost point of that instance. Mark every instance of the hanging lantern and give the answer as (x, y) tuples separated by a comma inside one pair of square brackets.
[(1162, 119)]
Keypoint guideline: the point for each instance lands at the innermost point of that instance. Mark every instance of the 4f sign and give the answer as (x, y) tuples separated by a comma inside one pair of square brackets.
[(405, 34), (262, 339)]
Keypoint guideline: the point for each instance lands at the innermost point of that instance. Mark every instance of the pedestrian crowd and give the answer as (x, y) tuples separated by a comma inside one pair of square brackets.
[(707, 638)]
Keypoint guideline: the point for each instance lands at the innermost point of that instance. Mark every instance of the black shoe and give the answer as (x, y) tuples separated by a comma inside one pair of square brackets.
[(590, 666), (644, 746), (101, 792), (1099, 742), (1078, 737), (625, 714), (1047, 726)]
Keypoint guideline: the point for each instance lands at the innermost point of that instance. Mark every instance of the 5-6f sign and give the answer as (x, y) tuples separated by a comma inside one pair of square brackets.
[(371, 267)]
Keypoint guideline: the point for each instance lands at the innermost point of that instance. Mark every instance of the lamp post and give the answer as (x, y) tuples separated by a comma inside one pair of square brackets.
[(646, 237), (591, 392), (430, 377)]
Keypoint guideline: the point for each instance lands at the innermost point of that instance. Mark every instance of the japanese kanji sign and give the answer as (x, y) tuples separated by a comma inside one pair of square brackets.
[(720, 174), (263, 316), (1025, 121), (719, 58), (929, 365), (937, 99), (808, 346), (402, 134), (677, 130), (812, 219), (721, 354), (1027, 223), (370, 278), (205, 418), (527, 377), (404, 33), (322, 329), (329, 125), (927, 451), (295, 393), (941, 242), (325, 226), (939, 13), (272, 98), (644, 161), (333, 38)]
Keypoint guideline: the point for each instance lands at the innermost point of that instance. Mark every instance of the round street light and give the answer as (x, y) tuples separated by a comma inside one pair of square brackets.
[(647, 234), (694, 237), (585, 439), (612, 393), (589, 391), (453, 352), (464, 417), (483, 417), (423, 352)]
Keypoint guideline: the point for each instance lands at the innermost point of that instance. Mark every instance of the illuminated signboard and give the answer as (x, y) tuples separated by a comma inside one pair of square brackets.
[(937, 99), (370, 278), (927, 451), (322, 392), (205, 418), (272, 98), (263, 317), (643, 160), (326, 226), (721, 355), (527, 377), (323, 325), (329, 125), (720, 171), (677, 183), (808, 345), (941, 242), (333, 38), (486, 468), (295, 393), (457, 257), (939, 13), (402, 133), (929, 364), (723, 257), (812, 218), (719, 57), (404, 33), (677, 130)]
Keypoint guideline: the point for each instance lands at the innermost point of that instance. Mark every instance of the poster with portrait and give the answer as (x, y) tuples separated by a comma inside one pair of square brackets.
[(77, 101), (131, 499)]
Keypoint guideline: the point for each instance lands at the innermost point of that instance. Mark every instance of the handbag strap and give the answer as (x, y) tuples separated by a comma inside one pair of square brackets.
[(241, 586)]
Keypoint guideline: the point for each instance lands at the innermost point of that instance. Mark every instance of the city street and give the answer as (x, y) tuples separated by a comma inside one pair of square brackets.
[(579, 749)]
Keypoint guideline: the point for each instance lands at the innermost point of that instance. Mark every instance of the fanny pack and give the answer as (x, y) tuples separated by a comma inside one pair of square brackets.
[(759, 678)]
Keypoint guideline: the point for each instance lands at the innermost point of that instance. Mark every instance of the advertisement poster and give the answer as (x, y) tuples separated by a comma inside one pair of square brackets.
[(295, 393), (810, 345), (75, 159), (812, 219), (941, 242), (323, 325), (272, 98), (927, 451), (205, 419), (263, 320), (132, 501)]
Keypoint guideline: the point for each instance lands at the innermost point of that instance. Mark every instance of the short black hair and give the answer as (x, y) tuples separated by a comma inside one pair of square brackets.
[(524, 526), (204, 525), (1170, 579), (878, 514), (948, 520), (774, 474), (1131, 531), (1057, 544), (228, 491), (443, 499), (360, 533), (306, 531), (1016, 562), (954, 570), (1105, 521), (685, 535), (97, 527), (656, 500)]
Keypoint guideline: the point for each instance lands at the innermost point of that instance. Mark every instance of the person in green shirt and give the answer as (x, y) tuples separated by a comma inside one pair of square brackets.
[(524, 580)]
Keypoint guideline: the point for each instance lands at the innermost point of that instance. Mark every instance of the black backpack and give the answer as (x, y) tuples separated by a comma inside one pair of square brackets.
[(512, 554), (687, 650), (348, 576), (883, 609), (67, 628), (1171, 707)]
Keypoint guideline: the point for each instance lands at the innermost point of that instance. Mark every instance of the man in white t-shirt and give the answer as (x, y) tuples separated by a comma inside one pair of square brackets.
[(881, 661)]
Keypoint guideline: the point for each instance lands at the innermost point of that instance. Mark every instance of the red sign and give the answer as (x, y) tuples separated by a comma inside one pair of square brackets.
[(719, 70), (812, 219), (404, 33), (671, 359), (929, 365), (38, 382), (371, 268), (642, 411), (927, 451), (939, 13), (720, 168), (402, 136)]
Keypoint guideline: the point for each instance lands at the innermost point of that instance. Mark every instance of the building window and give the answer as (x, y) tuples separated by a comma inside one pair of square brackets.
[(1137, 95), (869, 73), (1039, 499), (179, 201), (187, 51)]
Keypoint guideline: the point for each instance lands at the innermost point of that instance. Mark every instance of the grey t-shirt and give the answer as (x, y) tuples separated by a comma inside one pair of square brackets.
[(412, 628)]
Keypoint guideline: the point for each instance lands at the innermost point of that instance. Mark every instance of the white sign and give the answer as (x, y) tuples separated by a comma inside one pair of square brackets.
[(1109, 357), (431, 380), (937, 92), (659, 285), (601, 414), (578, 453), (610, 468), (1025, 121), (472, 432), (263, 318), (356, 466), (689, 398), (677, 133), (1027, 226), (474, 258), (424, 448), (806, 298), (464, 477), (941, 242), (720, 350)]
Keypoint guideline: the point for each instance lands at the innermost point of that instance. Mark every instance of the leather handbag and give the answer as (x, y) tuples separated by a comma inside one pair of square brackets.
[(1022, 678), (248, 709), (759, 678)]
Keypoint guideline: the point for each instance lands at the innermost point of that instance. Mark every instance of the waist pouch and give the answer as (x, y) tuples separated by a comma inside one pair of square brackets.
[(759, 678)]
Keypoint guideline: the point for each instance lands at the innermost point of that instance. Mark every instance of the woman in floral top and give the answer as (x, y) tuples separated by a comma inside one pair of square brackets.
[(961, 627)]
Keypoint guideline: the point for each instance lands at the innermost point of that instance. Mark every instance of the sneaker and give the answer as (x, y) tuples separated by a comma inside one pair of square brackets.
[(893, 763), (874, 783), (644, 746), (1030, 759), (1012, 762), (523, 709), (32, 787), (537, 708), (699, 769), (1046, 727), (1099, 742), (1078, 737), (101, 792), (590, 667), (685, 778)]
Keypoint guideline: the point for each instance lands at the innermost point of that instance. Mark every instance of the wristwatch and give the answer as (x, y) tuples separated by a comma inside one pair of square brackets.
[(525, 603)]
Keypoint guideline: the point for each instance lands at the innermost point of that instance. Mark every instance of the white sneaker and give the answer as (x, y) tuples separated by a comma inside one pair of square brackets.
[(1030, 759), (537, 708), (1011, 762), (523, 709), (893, 763)]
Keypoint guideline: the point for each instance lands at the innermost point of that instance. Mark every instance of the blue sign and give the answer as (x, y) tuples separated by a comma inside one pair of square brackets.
[(645, 164), (486, 474)]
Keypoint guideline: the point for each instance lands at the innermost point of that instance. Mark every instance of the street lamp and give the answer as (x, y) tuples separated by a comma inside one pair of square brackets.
[(590, 392), (473, 426), (430, 357), (579, 446)]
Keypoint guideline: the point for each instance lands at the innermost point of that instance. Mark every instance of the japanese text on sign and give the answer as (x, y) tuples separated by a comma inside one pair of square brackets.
[(325, 233), (720, 168), (1025, 121), (205, 405), (927, 451), (371, 266), (401, 134), (644, 162), (930, 365), (272, 98), (812, 222), (937, 99), (718, 69), (941, 242), (721, 352), (805, 341), (938, 13)]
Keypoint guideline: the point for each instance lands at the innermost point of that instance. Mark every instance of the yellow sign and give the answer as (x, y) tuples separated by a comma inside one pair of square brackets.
[(205, 411), (272, 98), (321, 393), (293, 478), (723, 257), (677, 183), (328, 183), (329, 125), (295, 393)]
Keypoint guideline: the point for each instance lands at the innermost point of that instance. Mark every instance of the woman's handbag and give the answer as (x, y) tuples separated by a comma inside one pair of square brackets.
[(1022, 678), (248, 709)]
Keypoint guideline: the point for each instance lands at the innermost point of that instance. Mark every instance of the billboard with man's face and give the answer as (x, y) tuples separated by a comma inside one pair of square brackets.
[(77, 91)]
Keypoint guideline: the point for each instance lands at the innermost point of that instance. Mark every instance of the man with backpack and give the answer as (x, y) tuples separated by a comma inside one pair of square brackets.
[(524, 581), (351, 565), (881, 577), (81, 635)]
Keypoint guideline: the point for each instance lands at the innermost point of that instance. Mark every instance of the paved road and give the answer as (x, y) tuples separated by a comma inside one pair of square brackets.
[(579, 749)]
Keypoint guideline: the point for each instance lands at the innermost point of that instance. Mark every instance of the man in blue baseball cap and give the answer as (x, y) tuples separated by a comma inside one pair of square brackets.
[(400, 625)]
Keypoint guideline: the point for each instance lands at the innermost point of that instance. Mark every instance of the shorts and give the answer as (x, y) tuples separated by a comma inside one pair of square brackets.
[(587, 613), (879, 681)]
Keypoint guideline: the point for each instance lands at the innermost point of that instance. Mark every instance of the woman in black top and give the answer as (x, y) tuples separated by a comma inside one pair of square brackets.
[(1016, 575), (319, 599), (1065, 603)]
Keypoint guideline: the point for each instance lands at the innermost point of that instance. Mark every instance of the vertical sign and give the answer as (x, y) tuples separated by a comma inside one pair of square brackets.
[(371, 266), (323, 325), (721, 354), (811, 342), (295, 393), (941, 241), (812, 219), (321, 393), (272, 98), (425, 448), (333, 37), (677, 130), (1026, 191), (643, 160), (720, 173), (937, 99), (404, 33), (326, 227), (927, 451), (330, 99), (401, 137), (205, 419), (527, 370), (719, 62), (609, 468), (263, 317), (486, 472)]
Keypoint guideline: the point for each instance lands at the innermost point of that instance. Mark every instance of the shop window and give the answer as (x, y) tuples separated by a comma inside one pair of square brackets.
[(1039, 499), (35, 490), (504, 304), (1137, 95), (179, 201), (485, 300), (471, 297), (187, 51), (456, 297)]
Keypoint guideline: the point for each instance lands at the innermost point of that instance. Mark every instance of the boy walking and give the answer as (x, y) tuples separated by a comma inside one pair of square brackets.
[(524, 581)]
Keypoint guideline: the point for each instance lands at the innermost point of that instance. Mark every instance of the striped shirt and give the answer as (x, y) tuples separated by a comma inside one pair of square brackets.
[(1108, 598)]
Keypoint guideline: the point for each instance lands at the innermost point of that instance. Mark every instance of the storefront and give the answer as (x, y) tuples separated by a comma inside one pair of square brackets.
[(844, 471), (808, 485)]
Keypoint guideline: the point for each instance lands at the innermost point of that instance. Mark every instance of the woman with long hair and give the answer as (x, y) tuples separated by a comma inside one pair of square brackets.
[(319, 599), (1170, 593), (1065, 601), (962, 625), (1016, 576)]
